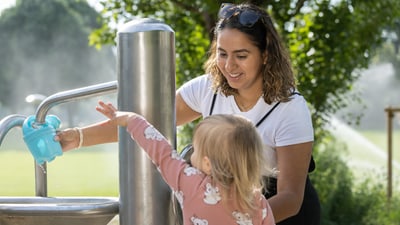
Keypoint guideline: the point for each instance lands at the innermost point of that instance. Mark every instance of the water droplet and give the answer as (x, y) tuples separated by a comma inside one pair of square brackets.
[(43, 169)]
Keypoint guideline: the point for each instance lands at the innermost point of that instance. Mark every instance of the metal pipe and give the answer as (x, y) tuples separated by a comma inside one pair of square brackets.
[(9, 122), (73, 95), (58, 98), (146, 76), (58, 210)]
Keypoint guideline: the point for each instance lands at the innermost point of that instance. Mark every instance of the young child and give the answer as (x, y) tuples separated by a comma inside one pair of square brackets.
[(223, 184)]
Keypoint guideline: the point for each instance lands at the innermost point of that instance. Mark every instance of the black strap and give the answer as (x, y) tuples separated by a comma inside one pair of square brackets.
[(312, 162), (296, 93), (259, 122), (267, 114), (212, 103)]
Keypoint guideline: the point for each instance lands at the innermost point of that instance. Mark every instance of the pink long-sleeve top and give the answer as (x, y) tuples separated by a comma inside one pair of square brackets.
[(200, 200)]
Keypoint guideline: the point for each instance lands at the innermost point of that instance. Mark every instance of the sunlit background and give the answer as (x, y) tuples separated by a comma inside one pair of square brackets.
[(367, 141), (96, 173)]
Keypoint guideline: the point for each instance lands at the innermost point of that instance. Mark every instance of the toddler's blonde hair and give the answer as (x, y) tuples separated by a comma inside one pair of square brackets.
[(235, 151)]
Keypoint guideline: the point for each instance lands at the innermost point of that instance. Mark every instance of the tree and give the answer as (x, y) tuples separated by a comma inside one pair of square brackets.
[(390, 51), (329, 41), (44, 49)]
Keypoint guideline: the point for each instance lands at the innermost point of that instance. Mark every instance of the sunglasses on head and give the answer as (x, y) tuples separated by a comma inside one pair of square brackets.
[(246, 17)]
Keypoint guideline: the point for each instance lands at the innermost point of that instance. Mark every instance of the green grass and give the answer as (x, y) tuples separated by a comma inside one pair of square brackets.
[(366, 152), (367, 146), (94, 171), (86, 172), (380, 139)]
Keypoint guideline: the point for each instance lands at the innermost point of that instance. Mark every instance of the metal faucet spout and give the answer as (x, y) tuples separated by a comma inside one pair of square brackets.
[(8, 122), (73, 95), (58, 98)]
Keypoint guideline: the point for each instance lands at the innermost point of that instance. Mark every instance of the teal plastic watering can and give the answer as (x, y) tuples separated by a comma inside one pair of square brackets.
[(40, 138)]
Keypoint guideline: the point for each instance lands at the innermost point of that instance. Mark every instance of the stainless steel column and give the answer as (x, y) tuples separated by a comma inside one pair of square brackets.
[(146, 85)]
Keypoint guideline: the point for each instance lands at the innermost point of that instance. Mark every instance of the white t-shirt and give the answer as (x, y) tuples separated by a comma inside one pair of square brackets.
[(289, 123)]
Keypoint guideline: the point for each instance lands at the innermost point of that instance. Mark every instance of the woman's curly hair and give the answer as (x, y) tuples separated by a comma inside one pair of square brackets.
[(278, 76)]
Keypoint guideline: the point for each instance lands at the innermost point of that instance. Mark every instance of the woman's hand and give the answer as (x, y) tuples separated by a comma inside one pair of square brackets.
[(98, 133), (68, 138)]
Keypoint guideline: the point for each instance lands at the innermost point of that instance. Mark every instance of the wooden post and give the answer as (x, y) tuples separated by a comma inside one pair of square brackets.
[(390, 114)]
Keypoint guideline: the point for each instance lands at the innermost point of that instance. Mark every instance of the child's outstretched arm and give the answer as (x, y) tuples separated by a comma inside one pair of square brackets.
[(152, 142)]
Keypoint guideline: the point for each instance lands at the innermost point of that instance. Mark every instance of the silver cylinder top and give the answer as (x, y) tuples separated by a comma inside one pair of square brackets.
[(143, 25)]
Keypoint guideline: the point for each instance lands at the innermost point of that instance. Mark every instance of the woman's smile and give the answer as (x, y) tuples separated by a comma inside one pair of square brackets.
[(234, 75)]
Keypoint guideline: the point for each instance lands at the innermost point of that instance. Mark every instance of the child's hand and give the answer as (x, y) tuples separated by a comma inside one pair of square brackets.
[(107, 110), (119, 117)]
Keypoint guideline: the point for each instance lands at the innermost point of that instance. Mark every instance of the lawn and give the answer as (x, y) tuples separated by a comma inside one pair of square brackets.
[(380, 139), (93, 171), (366, 152), (86, 172)]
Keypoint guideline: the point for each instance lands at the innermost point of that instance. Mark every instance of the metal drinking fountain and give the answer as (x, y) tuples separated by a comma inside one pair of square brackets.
[(146, 85), (146, 80)]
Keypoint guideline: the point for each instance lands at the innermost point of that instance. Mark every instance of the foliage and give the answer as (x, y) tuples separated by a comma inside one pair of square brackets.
[(390, 51), (344, 201), (328, 40), (44, 46), (328, 44), (191, 44)]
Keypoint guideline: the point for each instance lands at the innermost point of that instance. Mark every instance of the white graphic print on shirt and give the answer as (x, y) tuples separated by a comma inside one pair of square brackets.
[(152, 133), (211, 195), (242, 219), (198, 221)]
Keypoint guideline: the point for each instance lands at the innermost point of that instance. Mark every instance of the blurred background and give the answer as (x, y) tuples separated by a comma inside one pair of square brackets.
[(348, 67), (44, 49)]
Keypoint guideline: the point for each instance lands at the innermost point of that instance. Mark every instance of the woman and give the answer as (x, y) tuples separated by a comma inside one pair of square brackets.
[(249, 73)]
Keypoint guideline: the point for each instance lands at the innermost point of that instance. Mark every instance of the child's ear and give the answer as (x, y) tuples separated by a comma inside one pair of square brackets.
[(206, 164)]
